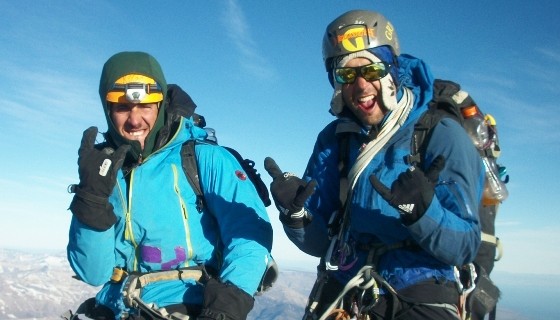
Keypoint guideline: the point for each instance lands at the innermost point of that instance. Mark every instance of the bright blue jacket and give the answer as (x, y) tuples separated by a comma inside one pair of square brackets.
[(447, 235), (159, 228)]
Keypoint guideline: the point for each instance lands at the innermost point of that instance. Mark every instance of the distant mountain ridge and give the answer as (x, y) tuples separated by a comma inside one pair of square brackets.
[(40, 286)]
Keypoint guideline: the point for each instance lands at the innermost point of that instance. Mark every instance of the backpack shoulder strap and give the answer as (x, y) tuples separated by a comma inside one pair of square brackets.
[(449, 98), (447, 102), (344, 132), (423, 129), (190, 167)]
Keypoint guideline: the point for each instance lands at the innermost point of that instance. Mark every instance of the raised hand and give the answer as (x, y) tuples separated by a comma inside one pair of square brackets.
[(290, 193), (413, 190), (97, 170)]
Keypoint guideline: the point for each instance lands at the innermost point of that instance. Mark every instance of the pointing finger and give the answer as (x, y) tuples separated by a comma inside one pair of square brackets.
[(88, 139), (272, 168), (383, 191)]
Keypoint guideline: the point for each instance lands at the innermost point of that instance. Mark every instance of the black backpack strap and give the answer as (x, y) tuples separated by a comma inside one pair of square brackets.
[(344, 131), (190, 167), (447, 101), (449, 98), (179, 102), (421, 136), (343, 169)]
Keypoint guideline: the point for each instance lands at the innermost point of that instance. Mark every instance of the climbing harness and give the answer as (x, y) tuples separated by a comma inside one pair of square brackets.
[(364, 280), (135, 283), (465, 277)]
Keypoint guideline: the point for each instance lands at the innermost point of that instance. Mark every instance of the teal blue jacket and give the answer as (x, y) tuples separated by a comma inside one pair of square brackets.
[(159, 228)]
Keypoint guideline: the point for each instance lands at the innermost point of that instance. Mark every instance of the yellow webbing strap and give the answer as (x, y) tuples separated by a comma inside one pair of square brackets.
[(148, 278)]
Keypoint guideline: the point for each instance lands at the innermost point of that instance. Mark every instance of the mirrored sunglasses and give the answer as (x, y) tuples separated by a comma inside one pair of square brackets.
[(370, 72)]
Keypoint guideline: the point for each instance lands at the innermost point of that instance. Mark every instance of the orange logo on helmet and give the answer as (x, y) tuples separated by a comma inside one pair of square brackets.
[(354, 39)]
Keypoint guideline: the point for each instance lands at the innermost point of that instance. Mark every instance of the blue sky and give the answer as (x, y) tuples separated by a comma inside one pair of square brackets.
[(255, 70)]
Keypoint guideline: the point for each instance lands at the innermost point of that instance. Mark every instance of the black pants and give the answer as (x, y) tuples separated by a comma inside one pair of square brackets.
[(426, 300)]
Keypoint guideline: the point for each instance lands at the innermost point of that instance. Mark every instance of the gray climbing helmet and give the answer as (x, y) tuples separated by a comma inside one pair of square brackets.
[(355, 31)]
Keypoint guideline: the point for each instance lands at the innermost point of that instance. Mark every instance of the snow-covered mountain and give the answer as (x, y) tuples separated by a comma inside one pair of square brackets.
[(40, 286), (37, 285)]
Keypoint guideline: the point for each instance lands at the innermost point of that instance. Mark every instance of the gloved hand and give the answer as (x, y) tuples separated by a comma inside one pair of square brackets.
[(98, 171), (413, 190), (289, 193), (225, 302)]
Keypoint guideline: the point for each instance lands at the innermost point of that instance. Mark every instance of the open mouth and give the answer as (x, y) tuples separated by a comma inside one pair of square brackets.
[(366, 103)]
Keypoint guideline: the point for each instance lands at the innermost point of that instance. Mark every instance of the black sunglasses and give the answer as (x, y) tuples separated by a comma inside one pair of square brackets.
[(370, 72)]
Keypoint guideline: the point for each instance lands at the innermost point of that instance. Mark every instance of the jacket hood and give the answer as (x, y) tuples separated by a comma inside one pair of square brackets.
[(121, 64), (416, 75)]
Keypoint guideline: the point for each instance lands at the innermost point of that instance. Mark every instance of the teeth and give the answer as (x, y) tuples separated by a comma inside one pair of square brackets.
[(367, 98), (136, 133)]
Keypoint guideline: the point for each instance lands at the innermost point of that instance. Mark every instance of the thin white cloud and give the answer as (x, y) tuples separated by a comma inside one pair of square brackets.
[(532, 73), (520, 117), (495, 80), (530, 250), (240, 34), (507, 223), (523, 97), (43, 186), (47, 103), (550, 54)]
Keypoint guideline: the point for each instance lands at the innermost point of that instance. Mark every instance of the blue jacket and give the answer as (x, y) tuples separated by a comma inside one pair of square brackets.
[(448, 234), (159, 228)]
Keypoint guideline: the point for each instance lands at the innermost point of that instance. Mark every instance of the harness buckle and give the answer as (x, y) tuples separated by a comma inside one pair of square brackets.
[(118, 275), (465, 277)]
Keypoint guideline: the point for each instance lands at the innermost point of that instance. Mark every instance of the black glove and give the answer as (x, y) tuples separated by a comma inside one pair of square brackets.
[(98, 171), (289, 193), (413, 190), (225, 302)]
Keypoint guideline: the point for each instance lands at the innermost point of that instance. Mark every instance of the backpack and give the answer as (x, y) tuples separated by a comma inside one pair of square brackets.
[(448, 100), (181, 104), (190, 166)]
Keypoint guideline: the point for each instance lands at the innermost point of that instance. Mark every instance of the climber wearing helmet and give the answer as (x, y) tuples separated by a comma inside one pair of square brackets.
[(389, 233)]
